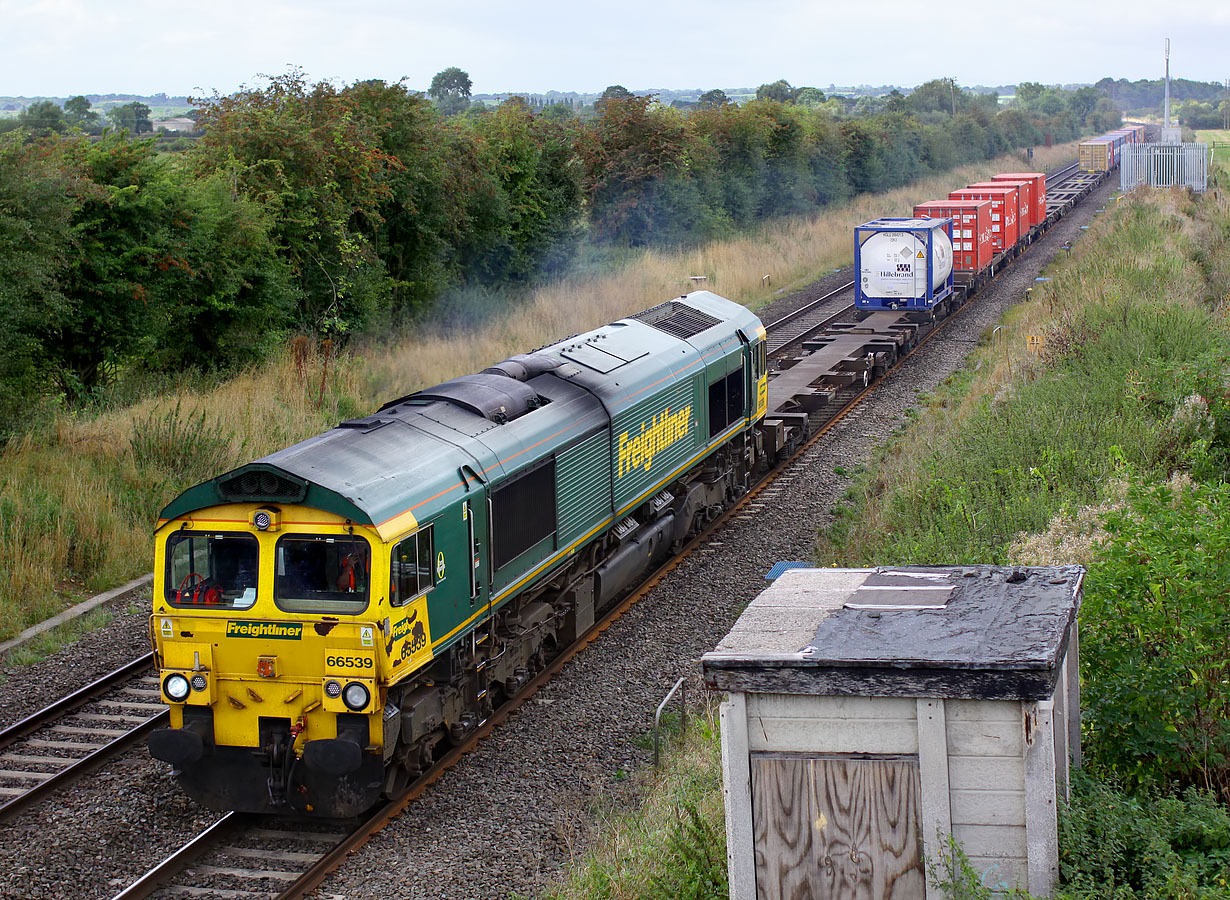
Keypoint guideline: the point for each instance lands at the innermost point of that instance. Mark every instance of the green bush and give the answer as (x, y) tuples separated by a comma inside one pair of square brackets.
[(183, 447), (1116, 846), (1155, 645), (698, 850)]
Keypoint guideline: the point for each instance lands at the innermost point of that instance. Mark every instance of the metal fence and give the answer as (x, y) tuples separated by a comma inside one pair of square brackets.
[(1164, 165)]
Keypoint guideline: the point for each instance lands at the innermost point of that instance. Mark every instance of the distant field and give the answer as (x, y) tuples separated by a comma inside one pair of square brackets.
[(1221, 155), (156, 112)]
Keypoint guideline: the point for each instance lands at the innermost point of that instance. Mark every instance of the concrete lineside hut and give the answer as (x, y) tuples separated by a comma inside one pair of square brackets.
[(871, 713)]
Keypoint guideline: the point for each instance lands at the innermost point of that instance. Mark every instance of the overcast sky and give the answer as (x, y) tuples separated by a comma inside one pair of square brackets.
[(65, 47)]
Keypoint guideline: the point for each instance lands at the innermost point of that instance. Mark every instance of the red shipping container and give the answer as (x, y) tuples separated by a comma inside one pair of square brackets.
[(1005, 210), (1039, 181), (1027, 210), (971, 231)]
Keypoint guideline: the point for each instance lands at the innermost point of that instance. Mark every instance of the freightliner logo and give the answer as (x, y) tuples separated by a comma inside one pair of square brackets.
[(282, 631), (665, 429)]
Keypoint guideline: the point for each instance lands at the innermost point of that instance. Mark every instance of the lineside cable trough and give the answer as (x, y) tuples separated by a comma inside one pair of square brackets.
[(873, 714)]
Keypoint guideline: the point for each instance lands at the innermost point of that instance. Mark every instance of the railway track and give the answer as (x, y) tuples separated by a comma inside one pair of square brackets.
[(55, 746), (794, 328)]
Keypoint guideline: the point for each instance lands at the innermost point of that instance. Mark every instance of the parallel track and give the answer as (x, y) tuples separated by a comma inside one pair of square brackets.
[(75, 735), (794, 328)]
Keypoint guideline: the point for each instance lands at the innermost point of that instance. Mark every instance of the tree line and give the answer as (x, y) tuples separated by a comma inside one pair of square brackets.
[(45, 117), (336, 210), (1196, 104)]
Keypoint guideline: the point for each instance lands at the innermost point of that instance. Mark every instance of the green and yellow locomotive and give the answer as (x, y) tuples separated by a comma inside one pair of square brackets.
[(328, 619)]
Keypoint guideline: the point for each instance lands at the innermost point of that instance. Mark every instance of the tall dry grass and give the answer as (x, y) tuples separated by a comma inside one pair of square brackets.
[(78, 500)]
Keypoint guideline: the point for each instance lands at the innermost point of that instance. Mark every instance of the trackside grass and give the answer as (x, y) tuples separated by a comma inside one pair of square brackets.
[(79, 495), (673, 845)]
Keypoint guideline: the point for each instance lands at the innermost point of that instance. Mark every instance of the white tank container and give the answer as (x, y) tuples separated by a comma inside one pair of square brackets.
[(894, 264)]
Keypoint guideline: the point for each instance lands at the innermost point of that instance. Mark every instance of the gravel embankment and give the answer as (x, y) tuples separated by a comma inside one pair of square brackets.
[(511, 815)]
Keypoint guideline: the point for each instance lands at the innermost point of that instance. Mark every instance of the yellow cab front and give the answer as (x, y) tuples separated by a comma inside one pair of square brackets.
[(271, 642)]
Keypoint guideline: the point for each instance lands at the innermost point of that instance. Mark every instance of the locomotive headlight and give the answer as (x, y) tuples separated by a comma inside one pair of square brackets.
[(266, 518), (176, 687), (356, 696)]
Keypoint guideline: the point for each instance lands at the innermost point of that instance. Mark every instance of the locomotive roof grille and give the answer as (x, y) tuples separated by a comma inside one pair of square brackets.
[(257, 484), (677, 319), (497, 398)]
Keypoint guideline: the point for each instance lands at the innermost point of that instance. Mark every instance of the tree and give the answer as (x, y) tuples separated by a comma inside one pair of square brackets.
[(613, 92), (626, 151), (440, 199), (1154, 641), (36, 241), (42, 117), (122, 118), (78, 114), (712, 99), (224, 297), (1082, 101), (306, 154), (1028, 91), (938, 95), (558, 112), (141, 117), (450, 89), (539, 194), (809, 96), (134, 117), (779, 90)]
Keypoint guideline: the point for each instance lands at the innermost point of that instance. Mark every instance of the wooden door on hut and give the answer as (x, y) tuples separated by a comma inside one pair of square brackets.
[(837, 827)]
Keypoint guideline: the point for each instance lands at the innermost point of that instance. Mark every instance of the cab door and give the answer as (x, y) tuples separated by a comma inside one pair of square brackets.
[(475, 511), (755, 369)]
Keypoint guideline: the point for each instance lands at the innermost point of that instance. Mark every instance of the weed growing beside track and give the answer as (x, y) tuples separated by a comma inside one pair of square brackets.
[(674, 845), (79, 495)]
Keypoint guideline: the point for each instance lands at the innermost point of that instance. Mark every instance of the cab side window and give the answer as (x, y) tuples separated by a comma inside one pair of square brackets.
[(726, 401), (413, 566)]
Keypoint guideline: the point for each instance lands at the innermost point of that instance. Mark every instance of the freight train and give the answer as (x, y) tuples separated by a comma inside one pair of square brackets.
[(329, 619), (1101, 154), (950, 247)]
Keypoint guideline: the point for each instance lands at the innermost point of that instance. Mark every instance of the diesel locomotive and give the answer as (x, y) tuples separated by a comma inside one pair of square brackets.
[(327, 620)]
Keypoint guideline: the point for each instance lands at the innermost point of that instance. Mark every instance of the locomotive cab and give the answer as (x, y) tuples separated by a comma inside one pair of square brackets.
[(271, 646)]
